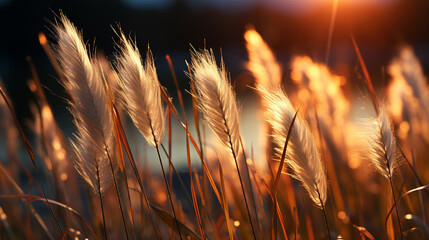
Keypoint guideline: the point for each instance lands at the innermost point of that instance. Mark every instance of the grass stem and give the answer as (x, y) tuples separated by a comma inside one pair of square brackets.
[(117, 194), (165, 179), (396, 207), (324, 214)]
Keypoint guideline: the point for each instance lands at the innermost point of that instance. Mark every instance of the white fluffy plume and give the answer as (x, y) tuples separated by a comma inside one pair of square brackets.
[(216, 99), (302, 155), (141, 92), (381, 145), (262, 62), (95, 140)]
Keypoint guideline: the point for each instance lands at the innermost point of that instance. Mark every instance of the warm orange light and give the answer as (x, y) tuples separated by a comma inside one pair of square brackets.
[(63, 176), (236, 223), (42, 39), (31, 85), (61, 155), (56, 144), (403, 129), (344, 217), (252, 36), (47, 114)]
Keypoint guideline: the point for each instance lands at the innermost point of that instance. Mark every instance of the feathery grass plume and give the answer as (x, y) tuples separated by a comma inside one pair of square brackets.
[(267, 73), (95, 143), (406, 110), (262, 62), (381, 148), (325, 87), (383, 152), (216, 99), (302, 155), (140, 92), (408, 96), (409, 67)]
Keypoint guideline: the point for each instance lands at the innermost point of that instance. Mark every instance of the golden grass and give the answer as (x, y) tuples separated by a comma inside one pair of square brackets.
[(229, 196)]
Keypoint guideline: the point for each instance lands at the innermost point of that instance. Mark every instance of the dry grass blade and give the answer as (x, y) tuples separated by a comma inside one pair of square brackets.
[(417, 189), (188, 154), (364, 232), (205, 198), (30, 152), (110, 103), (33, 198), (366, 74), (278, 211), (171, 222), (279, 171), (21, 132), (126, 146), (225, 205), (167, 99), (21, 192), (423, 227), (283, 157)]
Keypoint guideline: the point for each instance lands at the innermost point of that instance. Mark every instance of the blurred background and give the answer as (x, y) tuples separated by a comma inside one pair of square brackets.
[(290, 27)]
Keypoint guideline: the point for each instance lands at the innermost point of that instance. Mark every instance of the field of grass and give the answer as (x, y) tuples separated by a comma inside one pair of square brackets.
[(320, 171)]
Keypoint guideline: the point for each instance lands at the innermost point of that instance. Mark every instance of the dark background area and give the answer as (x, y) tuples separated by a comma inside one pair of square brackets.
[(379, 28)]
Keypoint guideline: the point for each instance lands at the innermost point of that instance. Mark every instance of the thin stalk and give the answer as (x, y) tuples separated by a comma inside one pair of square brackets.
[(331, 30), (170, 171), (393, 195), (241, 181), (182, 106), (191, 201), (182, 184), (251, 188), (422, 204), (165, 179), (324, 213), (295, 217), (102, 206), (396, 207), (31, 155), (409, 164), (117, 193), (126, 146), (228, 132)]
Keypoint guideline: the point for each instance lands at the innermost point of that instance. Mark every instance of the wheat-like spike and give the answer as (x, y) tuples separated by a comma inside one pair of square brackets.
[(95, 142), (141, 92), (381, 148), (302, 155), (216, 98), (262, 62)]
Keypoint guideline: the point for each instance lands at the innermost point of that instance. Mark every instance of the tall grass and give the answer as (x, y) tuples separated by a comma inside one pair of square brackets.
[(97, 183)]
